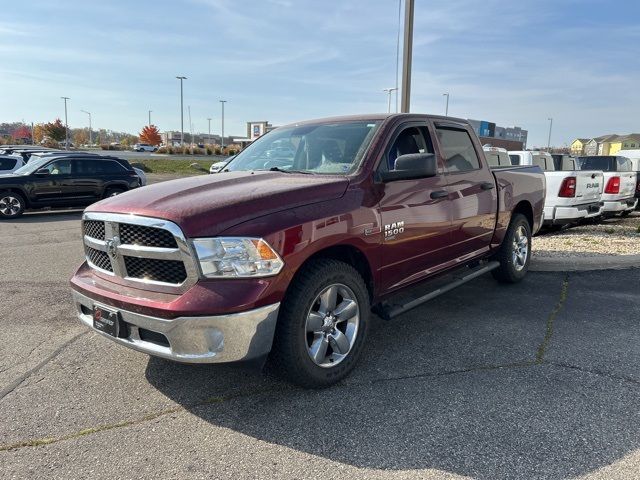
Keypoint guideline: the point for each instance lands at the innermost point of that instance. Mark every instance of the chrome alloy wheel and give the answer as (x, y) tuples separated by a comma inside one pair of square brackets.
[(520, 248), (332, 325), (9, 205)]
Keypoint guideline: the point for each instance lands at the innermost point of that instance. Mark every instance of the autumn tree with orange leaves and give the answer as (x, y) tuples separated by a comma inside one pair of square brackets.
[(150, 135)]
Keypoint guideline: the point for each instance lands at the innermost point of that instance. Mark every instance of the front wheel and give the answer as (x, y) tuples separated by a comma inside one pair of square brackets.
[(322, 325), (514, 255), (112, 192), (12, 205)]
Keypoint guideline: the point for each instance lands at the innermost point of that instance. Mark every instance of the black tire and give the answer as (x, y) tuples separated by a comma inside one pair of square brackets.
[(113, 191), (510, 271), (12, 205), (626, 213), (290, 355)]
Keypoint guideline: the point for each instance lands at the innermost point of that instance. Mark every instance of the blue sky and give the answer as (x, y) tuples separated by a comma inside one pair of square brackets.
[(514, 63)]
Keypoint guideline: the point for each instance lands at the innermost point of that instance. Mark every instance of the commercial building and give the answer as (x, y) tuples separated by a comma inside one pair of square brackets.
[(489, 132)]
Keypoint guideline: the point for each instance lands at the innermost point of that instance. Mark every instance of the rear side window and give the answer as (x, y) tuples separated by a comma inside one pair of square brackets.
[(8, 163), (606, 164), (492, 159), (109, 166), (457, 150), (515, 159), (98, 167), (544, 162), (624, 164)]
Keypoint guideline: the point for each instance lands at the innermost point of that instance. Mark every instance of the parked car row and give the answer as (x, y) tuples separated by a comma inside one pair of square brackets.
[(55, 178), (579, 188)]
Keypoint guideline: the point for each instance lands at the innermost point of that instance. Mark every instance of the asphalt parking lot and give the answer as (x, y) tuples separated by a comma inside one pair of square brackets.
[(536, 380)]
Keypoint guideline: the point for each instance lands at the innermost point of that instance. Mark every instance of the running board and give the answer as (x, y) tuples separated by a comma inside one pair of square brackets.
[(387, 311)]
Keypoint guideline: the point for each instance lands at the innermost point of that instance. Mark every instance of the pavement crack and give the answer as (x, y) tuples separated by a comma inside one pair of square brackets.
[(595, 371), (20, 380), (542, 348), (36, 442)]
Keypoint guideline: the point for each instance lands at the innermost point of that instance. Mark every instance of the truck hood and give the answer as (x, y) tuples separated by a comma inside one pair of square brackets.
[(209, 204)]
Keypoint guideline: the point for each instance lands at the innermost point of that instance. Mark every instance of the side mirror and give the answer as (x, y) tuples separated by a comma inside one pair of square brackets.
[(411, 166), (43, 171)]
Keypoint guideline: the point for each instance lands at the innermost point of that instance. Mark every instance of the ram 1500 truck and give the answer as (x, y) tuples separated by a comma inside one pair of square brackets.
[(287, 250)]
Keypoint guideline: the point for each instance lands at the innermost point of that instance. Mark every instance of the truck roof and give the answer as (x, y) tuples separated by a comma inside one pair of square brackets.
[(376, 117)]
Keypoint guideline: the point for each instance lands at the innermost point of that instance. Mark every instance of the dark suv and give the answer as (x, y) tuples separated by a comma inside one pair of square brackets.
[(64, 181)]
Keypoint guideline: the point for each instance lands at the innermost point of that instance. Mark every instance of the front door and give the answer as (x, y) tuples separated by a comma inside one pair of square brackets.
[(52, 188), (474, 201), (414, 214)]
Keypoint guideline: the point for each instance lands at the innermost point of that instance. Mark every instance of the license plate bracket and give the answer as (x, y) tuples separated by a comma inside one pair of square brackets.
[(108, 321)]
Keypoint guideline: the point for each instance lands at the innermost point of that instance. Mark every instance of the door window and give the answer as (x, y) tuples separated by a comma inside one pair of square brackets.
[(410, 140), (457, 150), (59, 167), (8, 163)]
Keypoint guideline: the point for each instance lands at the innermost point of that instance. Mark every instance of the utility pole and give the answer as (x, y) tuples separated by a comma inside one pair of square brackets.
[(209, 136), (33, 142), (407, 56), (150, 117), (190, 124), (181, 112), (222, 141), (446, 111), (398, 52), (550, 127), (389, 90), (66, 124), (84, 111)]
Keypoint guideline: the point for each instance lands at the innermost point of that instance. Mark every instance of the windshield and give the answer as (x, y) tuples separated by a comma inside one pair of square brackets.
[(32, 166), (329, 148)]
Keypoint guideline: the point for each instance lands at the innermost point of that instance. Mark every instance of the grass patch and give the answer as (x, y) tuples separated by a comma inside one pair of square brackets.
[(610, 231), (189, 166)]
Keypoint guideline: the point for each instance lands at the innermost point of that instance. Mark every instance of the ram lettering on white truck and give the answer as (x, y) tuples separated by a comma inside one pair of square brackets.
[(572, 194), (619, 182)]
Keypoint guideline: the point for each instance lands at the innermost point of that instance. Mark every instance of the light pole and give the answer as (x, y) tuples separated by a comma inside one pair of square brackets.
[(181, 112), (222, 141), (549, 139), (389, 90), (150, 117), (407, 56), (398, 51), (209, 136), (446, 110), (66, 125), (190, 124), (88, 113)]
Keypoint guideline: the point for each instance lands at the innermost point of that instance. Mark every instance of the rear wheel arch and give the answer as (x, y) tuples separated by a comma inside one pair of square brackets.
[(524, 208)]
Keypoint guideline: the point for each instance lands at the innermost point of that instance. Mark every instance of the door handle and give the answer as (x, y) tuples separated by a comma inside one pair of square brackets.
[(486, 185), (439, 194)]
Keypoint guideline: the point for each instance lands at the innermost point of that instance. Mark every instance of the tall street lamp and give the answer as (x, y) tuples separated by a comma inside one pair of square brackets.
[(446, 110), (389, 90), (66, 125), (407, 56), (209, 136), (181, 112), (150, 117), (88, 113), (222, 102), (549, 139)]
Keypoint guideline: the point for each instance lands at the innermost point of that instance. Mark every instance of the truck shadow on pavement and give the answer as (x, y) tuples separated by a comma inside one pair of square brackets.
[(487, 381)]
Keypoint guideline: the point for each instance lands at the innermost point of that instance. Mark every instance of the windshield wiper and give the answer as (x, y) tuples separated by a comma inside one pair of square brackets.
[(278, 169)]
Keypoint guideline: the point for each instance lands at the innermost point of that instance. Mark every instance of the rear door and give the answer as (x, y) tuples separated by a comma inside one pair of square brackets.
[(472, 190), (415, 214)]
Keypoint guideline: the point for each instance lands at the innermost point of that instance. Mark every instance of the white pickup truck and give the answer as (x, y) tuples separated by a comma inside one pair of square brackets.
[(572, 194), (619, 182)]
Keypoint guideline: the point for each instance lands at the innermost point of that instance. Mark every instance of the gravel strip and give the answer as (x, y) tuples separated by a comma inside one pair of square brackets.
[(616, 236)]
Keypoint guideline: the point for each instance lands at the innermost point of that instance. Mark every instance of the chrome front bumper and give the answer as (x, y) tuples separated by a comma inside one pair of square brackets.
[(216, 339)]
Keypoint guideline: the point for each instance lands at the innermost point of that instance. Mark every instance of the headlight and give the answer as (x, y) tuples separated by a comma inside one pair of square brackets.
[(236, 257)]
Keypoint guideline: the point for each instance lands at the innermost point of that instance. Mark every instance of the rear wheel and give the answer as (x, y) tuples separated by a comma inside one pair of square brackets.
[(626, 213), (515, 252), (12, 204), (322, 325)]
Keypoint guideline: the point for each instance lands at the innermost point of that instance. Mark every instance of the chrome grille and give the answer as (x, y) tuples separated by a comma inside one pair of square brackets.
[(146, 236), (134, 250), (169, 271), (99, 259), (94, 229)]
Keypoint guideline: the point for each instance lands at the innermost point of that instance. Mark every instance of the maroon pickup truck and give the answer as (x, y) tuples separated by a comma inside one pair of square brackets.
[(286, 252)]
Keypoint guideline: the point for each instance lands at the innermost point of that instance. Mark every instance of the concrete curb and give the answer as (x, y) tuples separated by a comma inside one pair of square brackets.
[(583, 264)]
